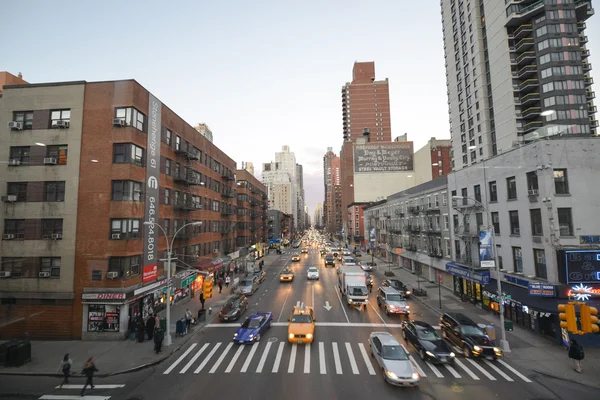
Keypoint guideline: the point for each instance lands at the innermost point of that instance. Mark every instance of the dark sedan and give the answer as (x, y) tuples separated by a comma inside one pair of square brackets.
[(398, 285), (428, 343), (233, 310)]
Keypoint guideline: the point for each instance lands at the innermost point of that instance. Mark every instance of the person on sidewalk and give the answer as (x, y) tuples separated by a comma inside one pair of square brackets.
[(188, 319), (220, 283), (150, 326), (159, 336), (227, 281), (65, 368), (576, 354), (140, 328), (89, 368), (202, 300)]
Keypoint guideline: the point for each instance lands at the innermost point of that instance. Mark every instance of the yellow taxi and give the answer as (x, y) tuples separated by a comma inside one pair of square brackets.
[(287, 275), (301, 327), (305, 250), (296, 257)]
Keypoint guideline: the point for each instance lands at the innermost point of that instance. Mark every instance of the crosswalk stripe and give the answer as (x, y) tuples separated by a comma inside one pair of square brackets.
[(263, 358), (207, 358), (95, 387), (292, 359), (453, 371), (498, 370), (467, 370), (483, 371), (365, 356), (353, 364), (307, 359), (418, 367), (249, 358), (193, 360), (336, 358), (434, 369), (514, 371), (234, 359), (184, 355), (322, 365), (221, 358), (64, 397), (278, 358)]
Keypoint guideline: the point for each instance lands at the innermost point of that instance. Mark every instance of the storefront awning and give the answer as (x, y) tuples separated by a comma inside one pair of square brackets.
[(521, 295), (482, 277), (213, 264)]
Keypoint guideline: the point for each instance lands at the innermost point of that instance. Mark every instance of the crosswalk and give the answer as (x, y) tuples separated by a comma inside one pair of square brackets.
[(336, 358), (71, 392), (294, 251)]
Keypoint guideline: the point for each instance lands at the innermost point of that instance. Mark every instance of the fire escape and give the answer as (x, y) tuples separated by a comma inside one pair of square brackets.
[(186, 177), (415, 229), (433, 230), (467, 231), (228, 209)]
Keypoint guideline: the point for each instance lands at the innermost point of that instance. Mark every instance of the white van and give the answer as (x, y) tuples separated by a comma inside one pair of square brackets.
[(348, 261)]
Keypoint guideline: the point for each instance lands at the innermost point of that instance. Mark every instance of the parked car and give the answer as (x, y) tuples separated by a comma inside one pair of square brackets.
[(253, 327), (393, 359), (235, 307), (462, 332), (392, 301), (428, 343), (398, 285)]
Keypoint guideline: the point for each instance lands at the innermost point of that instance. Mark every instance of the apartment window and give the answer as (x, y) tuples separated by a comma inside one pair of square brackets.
[(126, 191), (24, 117), (128, 153), (19, 154), (477, 192), (539, 260), (532, 183), (15, 227), (59, 115), (511, 188), (54, 191), (14, 265), (561, 183), (18, 189), (125, 228), (446, 223), (536, 222), (52, 265), (517, 259), (493, 191), (177, 143), (496, 222), (514, 222), (565, 221), (59, 153), (168, 137), (52, 227), (167, 196), (464, 194), (125, 266), (167, 166), (132, 117)]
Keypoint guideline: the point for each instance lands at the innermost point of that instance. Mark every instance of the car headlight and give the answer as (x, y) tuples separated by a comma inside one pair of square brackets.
[(452, 355), (291, 335), (391, 374), (430, 354), (408, 292), (235, 335), (497, 350), (309, 335), (415, 375), (476, 348)]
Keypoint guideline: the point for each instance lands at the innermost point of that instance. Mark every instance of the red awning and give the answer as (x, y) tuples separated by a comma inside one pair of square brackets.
[(210, 265)]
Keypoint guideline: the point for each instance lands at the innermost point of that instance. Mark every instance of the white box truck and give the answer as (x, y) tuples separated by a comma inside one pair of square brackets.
[(352, 283)]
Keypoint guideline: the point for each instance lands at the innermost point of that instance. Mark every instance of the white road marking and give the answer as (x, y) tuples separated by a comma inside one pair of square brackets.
[(322, 324), (514, 371), (498, 370), (467, 370), (307, 358), (434, 369), (263, 358), (193, 360), (336, 358), (282, 306), (417, 366), (322, 365), (342, 304), (221, 358), (207, 358), (234, 359), (365, 356), (249, 358), (95, 387), (278, 358), (452, 371), (377, 312), (184, 355), (292, 359), (480, 368), (353, 364), (64, 397)]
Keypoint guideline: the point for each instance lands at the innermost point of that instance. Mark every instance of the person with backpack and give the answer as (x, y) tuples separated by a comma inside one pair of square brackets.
[(576, 354), (65, 368)]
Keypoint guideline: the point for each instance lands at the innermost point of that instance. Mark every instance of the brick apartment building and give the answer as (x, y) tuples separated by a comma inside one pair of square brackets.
[(252, 218), (83, 166)]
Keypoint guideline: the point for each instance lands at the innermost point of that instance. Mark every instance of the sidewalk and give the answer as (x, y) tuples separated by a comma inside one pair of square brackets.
[(115, 358), (527, 349)]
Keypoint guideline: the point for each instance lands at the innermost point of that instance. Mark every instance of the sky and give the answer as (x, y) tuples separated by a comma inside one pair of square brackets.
[(261, 74)]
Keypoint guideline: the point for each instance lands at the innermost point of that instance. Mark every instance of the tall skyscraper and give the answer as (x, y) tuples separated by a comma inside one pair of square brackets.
[(204, 130), (280, 178), (515, 73), (300, 196), (327, 158)]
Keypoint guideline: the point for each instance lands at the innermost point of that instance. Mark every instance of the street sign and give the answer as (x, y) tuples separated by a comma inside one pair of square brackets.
[(187, 281)]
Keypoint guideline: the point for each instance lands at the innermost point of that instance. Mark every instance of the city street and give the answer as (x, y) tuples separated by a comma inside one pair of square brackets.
[(337, 365)]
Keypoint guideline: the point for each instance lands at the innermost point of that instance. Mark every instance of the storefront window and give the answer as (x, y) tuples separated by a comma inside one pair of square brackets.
[(103, 318)]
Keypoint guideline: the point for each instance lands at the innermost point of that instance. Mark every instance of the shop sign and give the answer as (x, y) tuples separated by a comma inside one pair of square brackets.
[(103, 296), (150, 273), (583, 266), (516, 281), (494, 296), (149, 287), (185, 282), (541, 289), (483, 278), (589, 239), (583, 293)]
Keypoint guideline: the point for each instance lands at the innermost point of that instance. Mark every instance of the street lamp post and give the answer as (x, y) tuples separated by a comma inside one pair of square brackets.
[(389, 246), (168, 340), (503, 342)]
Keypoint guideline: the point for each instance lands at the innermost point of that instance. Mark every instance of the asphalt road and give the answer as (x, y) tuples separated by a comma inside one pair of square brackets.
[(336, 366)]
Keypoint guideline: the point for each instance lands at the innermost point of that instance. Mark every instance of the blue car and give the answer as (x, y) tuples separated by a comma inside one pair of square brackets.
[(253, 327)]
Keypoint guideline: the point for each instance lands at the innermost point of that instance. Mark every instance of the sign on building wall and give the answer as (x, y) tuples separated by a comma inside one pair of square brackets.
[(390, 157)]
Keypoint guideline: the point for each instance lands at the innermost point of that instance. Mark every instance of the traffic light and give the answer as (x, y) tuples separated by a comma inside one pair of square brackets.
[(568, 318), (589, 319), (207, 288)]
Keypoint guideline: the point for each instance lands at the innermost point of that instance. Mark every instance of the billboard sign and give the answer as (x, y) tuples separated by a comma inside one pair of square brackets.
[(389, 157), (486, 251), (582, 266)]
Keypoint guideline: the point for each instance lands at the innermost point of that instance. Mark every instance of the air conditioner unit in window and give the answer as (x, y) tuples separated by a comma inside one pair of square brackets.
[(62, 124), (4, 274), (8, 236), (11, 198), (57, 236), (112, 274), (533, 192), (50, 161), (119, 122), (15, 126), (14, 162), (44, 274), (116, 236)]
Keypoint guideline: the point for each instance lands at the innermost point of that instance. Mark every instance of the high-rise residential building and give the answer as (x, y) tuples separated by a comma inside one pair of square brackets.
[(327, 183), (335, 198), (204, 131), (432, 160), (300, 196), (515, 73), (317, 219), (279, 177), (248, 166)]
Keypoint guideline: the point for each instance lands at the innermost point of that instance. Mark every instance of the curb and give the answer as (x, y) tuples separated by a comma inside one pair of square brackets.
[(560, 378)]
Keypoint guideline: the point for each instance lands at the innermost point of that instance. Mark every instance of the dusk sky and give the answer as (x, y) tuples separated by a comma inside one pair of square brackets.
[(261, 74)]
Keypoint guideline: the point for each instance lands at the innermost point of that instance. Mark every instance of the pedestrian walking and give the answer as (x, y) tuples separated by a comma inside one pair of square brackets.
[(150, 324), (220, 283), (576, 354), (227, 281), (89, 368), (140, 329), (188, 319), (202, 300), (159, 336), (65, 368)]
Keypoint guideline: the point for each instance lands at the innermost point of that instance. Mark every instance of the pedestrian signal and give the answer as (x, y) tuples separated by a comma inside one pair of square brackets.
[(589, 319), (207, 288), (568, 318)]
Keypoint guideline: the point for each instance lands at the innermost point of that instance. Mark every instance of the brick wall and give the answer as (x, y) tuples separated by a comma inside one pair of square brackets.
[(36, 321)]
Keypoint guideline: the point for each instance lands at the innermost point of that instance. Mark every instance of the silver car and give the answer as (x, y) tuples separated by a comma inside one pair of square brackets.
[(313, 273), (393, 359), (249, 285)]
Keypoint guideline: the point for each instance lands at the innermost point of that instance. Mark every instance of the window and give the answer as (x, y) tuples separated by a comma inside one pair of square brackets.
[(128, 153), (59, 115), (536, 222), (54, 191), (103, 318), (496, 222), (539, 260), (125, 266), (126, 191), (177, 143), (167, 166), (477, 192), (514, 222), (14, 265), (15, 227), (57, 152), (24, 117), (132, 117), (52, 227), (561, 184), (52, 265), (517, 259), (167, 196), (493, 191), (18, 189), (168, 137), (446, 223), (532, 183), (125, 228), (20, 154), (565, 222), (511, 188)]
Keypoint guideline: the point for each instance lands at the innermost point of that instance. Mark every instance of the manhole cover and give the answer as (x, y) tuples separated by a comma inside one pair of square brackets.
[(272, 340)]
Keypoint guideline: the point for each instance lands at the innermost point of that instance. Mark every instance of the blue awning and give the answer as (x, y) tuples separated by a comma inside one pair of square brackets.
[(483, 278)]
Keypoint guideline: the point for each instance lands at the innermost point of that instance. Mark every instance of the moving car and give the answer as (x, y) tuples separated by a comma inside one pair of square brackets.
[(392, 301), (313, 273), (301, 327), (323, 252), (393, 359), (305, 250), (398, 285), (296, 257), (261, 275), (357, 253), (465, 334), (427, 342), (249, 285), (235, 307), (253, 327), (366, 267), (287, 275), (329, 260)]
